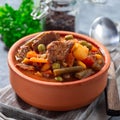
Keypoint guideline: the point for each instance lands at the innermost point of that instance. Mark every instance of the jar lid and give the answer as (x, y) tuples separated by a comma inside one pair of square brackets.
[(42, 10), (56, 5)]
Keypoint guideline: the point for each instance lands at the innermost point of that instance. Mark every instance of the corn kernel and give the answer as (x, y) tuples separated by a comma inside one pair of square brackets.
[(81, 64), (98, 56)]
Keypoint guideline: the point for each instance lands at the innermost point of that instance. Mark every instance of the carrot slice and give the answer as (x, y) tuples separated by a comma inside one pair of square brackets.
[(45, 67), (26, 61), (70, 60), (38, 60), (94, 49), (31, 54)]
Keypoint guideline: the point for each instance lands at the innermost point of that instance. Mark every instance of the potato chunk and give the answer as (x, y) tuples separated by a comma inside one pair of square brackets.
[(80, 52)]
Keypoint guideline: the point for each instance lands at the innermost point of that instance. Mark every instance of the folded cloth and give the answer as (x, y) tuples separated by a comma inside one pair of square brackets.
[(13, 108), (3, 117)]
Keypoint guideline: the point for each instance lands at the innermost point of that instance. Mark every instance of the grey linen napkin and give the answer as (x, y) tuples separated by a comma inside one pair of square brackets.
[(13, 108)]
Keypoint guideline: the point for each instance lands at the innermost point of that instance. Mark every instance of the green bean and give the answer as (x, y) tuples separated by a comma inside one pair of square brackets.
[(98, 64), (84, 73), (59, 78), (67, 70)]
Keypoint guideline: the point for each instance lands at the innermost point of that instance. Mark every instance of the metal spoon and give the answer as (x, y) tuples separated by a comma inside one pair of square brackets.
[(104, 30)]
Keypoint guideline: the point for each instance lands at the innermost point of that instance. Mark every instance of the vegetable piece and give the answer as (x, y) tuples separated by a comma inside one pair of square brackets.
[(26, 61), (85, 43), (80, 52), (81, 64), (89, 61), (59, 78), (98, 64), (47, 73), (70, 60), (31, 54), (45, 67), (64, 64), (67, 70), (41, 47), (69, 37), (55, 65), (94, 49), (84, 73), (43, 56), (98, 56), (38, 60), (38, 74)]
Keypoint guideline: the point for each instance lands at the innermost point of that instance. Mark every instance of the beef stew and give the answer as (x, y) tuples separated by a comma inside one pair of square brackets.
[(57, 58)]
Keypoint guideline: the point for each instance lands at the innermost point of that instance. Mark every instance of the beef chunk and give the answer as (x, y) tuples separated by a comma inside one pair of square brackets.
[(22, 52), (45, 39), (58, 50), (25, 67)]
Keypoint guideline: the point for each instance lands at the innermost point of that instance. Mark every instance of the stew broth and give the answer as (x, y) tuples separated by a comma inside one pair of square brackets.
[(55, 58)]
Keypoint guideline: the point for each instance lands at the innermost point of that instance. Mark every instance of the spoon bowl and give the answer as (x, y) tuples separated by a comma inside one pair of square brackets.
[(104, 30)]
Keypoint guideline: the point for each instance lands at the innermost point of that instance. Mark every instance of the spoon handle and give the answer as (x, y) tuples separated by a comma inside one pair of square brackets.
[(111, 92)]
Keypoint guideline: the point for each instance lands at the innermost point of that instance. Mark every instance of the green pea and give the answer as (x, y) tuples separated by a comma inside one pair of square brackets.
[(59, 78), (55, 65), (41, 47), (89, 46), (85, 43), (68, 37)]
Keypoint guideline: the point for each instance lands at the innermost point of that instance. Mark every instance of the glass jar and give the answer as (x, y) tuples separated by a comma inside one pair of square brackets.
[(59, 14)]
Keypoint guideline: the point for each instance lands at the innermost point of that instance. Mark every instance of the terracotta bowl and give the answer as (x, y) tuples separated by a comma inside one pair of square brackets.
[(58, 96)]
